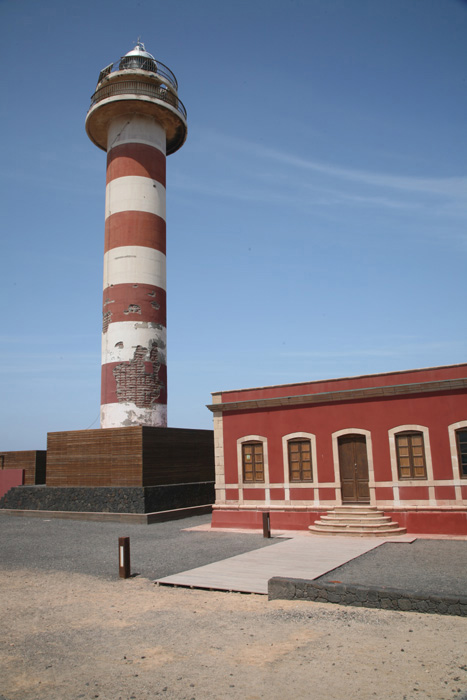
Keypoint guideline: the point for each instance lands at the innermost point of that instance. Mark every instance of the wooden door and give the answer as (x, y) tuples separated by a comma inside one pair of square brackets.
[(353, 465)]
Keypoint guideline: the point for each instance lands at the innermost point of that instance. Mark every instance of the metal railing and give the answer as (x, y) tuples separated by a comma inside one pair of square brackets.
[(135, 87), (140, 63)]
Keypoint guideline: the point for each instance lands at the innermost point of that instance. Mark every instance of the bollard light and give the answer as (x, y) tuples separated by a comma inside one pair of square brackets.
[(266, 525), (124, 569)]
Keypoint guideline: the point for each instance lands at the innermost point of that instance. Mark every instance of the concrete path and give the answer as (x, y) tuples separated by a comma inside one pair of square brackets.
[(298, 557)]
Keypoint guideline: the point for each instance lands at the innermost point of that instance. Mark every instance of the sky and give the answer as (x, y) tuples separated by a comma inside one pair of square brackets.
[(316, 215)]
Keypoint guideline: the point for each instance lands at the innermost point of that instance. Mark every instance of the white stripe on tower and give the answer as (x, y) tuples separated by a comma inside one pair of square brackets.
[(133, 193), (124, 264), (134, 364)]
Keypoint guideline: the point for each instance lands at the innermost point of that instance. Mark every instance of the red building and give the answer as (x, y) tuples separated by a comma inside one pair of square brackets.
[(397, 441)]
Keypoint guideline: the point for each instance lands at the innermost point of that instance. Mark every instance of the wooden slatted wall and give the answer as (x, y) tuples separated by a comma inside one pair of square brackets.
[(110, 457), (134, 456), (177, 456)]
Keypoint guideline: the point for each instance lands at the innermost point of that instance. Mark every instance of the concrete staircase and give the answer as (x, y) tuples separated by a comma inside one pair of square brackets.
[(356, 521)]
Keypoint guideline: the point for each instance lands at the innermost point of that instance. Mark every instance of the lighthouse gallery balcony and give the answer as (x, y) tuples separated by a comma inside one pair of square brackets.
[(163, 88)]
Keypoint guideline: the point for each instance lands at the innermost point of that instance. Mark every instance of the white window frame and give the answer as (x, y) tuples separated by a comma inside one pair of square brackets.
[(456, 467), (393, 454), (285, 461), (398, 483), (255, 485)]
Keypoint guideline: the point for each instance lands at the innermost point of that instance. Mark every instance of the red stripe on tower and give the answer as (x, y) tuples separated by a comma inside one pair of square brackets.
[(135, 228), (136, 159), (134, 302)]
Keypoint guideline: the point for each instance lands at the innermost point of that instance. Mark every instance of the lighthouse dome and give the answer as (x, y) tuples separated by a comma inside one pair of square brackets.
[(138, 58)]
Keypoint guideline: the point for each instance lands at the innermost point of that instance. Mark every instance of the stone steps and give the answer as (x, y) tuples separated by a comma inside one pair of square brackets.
[(355, 509), (356, 521), (356, 517)]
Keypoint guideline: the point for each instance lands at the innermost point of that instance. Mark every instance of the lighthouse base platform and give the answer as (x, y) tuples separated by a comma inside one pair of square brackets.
[(134, 470)]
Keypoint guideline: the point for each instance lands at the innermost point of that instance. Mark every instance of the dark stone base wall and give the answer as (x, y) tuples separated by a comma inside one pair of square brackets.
[(280, 588), (149, 499)]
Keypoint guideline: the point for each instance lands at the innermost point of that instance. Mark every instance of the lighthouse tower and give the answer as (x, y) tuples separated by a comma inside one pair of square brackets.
[(137, 118)]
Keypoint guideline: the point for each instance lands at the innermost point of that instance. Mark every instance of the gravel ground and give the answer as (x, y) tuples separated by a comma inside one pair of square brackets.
[(67, 635), (88, 547), (71, 629), (435, 567)]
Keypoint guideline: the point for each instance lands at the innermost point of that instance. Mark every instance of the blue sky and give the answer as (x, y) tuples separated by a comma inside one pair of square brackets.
[(316, 216)]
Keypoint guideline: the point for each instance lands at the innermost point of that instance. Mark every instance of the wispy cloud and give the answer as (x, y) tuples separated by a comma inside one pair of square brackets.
[(250, 168), (391, 348), (235, 190), (46, 339), (38, 365), (367, 200), (450, 186), (454, 186)]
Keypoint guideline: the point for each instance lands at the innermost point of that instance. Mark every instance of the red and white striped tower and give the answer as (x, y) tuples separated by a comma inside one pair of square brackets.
[(135, 116)]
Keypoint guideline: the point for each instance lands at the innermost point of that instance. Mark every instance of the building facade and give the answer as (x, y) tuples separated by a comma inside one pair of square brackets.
[(397, 441)]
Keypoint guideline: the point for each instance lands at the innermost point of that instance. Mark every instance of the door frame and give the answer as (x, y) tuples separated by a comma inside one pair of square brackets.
[(369, 454)]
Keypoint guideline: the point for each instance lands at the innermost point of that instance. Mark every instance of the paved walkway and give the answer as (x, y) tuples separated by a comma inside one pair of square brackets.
[(298, 557)]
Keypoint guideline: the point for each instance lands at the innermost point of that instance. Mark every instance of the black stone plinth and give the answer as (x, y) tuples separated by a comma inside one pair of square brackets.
[(108, 499)]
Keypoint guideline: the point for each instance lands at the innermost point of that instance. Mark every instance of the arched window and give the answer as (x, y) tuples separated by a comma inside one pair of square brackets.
[(410, 450), (461, 442), (252, 462), (299, 458)]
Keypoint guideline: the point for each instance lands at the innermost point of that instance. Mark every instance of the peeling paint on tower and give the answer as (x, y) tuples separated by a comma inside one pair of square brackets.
[(106, 319), (134, 383)]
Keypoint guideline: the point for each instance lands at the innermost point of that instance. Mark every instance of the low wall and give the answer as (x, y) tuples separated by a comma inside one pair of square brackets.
[(280, 588), (149, 499)]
